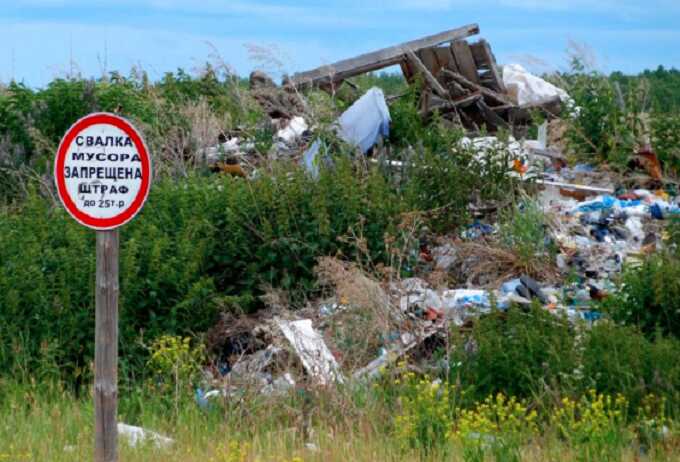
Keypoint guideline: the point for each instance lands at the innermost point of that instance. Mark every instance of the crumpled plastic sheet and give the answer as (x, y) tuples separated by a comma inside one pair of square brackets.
[(366, 120), (529, 88), (361, 125)]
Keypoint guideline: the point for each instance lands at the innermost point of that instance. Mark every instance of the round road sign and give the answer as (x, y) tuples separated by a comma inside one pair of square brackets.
[(102, 171)]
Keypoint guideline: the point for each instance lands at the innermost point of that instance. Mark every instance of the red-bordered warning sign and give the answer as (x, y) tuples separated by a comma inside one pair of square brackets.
[(102, 171)]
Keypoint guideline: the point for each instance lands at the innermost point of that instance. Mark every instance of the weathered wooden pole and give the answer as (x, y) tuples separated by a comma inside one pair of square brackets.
[(104, 190), (106, 348)]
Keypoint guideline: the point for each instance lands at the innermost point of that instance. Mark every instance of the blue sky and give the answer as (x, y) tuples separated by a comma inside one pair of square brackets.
[(42, 39)]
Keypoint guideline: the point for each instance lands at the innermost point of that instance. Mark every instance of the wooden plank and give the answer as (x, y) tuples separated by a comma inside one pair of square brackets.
[(467, 100), (429, 78), (453, 66), (455, 89), (493, 66), (496, 97), (549, 153), (575, 187), (444, 57), (493, 120), (378, 59), (106, 348), (446, 106), (478, 54), (465, 61), (429, 59), (406, 70)]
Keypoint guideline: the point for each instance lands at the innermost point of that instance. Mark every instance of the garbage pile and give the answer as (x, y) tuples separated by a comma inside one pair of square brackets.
[(461, 81), (597, 223)]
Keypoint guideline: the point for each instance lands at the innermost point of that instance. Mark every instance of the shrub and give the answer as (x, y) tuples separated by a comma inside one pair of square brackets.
[(425, 417), (665, 130), (176, 365), (649, 296), (606, 122), (444, 177), (517, 353), (538, 355), (499, 424), (595, 424), (47, 281), (199, 247), (621, 360)]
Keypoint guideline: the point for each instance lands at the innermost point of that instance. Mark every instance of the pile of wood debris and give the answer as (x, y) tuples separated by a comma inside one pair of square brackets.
[(461, 80)]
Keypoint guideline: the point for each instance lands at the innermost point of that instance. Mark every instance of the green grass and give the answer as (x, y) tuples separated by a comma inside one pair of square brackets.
[(49, 424)]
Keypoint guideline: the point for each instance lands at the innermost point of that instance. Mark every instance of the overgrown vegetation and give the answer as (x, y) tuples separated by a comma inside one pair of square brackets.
[(649, 294), (518, 383)]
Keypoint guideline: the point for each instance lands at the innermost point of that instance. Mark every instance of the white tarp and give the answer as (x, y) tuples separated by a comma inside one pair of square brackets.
[(361, 125), (528, 88), (312, 350), (366, 120)]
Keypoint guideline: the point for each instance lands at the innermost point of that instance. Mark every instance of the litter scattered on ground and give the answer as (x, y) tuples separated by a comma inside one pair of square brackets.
[(594, 223), (294, 130)]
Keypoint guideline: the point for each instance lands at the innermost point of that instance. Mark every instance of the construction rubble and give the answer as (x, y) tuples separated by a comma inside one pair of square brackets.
[(597, 222)]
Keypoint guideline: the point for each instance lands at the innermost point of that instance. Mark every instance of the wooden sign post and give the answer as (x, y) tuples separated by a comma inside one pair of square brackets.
[(103, 176), (106, 348)]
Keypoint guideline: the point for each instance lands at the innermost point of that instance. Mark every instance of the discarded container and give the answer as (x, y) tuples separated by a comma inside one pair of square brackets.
[(312, 158)]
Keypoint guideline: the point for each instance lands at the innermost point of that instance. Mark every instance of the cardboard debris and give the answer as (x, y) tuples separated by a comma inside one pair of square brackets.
[(312, 351)]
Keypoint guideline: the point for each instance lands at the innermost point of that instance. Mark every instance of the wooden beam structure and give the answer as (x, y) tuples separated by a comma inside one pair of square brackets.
[(429, 78), (471, 86), (339, 71), (465, 61)]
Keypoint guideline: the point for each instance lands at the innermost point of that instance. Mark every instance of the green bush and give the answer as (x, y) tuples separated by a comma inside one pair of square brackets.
[(666, 140), (442, 178), (47, 281), (523, 230), (606, 124), (538, 355), (620, 359), (649, 296), (199, 247), (518, 353)]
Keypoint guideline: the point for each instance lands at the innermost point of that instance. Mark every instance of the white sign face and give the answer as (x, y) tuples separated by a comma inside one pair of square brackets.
[(102, 171)]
